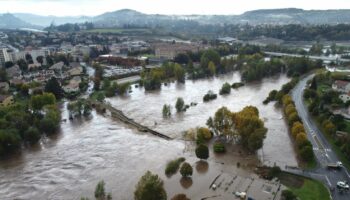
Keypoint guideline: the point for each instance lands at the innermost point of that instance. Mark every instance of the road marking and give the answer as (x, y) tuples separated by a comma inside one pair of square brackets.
[(329, 183)]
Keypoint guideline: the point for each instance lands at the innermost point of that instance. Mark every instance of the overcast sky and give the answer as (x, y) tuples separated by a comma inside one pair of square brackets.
[(96, 7)]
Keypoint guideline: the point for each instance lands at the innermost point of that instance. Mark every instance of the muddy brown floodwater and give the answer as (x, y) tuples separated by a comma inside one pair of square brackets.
[(69, 165)]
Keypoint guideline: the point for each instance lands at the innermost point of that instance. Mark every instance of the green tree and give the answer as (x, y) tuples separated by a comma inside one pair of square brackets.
[(179, 73), (22, 64), (166, 110), (150, 187), (40, 59), (100, 190), (180, 104), (9, 140), (3, 75), (39, 101), (54, 87), (306, 153), (222, 124), (186, 170), (202, 151), (32, 135), (225, 89), (211, 68)]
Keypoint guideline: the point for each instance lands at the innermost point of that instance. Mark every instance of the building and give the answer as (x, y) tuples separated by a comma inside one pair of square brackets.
[(4, 56), (168, 50), (341, 86), (73, 85), (6, 100), (4, 87)]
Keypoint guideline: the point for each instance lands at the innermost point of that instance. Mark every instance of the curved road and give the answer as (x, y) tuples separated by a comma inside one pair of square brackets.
[(322, 149)]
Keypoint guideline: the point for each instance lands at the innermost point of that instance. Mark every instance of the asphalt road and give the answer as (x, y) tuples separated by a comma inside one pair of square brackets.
[(322, 149)]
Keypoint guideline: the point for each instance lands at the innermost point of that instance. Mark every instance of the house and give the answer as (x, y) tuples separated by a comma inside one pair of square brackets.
[(13, 71), (16, 81), (341, 86), (76, 71), (6, 100), (4, 86), (36, 90), (57, 67), (73, 85), (345, 97)]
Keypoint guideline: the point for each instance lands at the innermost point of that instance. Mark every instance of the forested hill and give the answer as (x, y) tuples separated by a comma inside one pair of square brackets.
[(120, 18)]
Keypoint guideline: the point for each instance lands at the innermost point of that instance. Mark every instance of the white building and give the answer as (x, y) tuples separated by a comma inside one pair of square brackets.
[(4, 56)]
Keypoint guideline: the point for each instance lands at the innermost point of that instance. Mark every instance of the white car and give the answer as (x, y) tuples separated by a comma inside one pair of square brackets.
[(342, 185), (240, 194)]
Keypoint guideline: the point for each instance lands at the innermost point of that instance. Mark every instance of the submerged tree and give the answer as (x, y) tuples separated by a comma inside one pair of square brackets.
[(150, 187)]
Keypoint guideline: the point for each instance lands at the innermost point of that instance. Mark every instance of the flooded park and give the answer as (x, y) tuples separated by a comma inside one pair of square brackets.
[(69, 165)]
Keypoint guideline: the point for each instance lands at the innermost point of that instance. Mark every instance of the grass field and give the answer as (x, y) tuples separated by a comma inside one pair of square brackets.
[(304, 188)]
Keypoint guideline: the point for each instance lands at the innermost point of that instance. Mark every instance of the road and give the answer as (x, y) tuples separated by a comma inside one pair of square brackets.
[(322, 149)]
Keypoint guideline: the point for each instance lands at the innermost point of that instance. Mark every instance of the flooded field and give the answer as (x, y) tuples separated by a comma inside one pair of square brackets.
[(69, 165)]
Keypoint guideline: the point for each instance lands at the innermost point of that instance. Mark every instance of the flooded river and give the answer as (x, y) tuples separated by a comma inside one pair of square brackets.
[(70, 164)]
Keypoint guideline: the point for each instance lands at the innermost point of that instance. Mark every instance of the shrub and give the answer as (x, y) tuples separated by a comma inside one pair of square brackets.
[(219, 147), (180, 104), (166, 111), (225, 89), (237, 85), (204, 133), (202, 151), (209, 96), (173, 166), (186, 170), (288, 195), (274, 171)]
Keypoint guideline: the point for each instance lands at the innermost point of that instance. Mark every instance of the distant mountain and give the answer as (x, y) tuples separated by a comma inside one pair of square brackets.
[(10, 21), (47, 20), (269, 16), (127, 17)]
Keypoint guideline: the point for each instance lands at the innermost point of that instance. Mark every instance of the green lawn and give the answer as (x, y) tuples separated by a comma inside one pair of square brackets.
[(311, 190), (304, 188)]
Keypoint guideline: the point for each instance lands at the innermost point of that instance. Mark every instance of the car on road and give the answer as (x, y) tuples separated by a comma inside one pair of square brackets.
[(241, 194), (343, 185)]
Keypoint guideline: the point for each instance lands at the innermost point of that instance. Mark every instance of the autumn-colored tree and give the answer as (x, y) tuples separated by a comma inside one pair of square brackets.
[(297, 128), (287, 99), (290, 108), (301, 139), (293, 117)]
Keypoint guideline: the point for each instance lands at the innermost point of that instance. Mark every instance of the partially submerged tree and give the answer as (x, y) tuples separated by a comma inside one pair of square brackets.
[(150, 187)]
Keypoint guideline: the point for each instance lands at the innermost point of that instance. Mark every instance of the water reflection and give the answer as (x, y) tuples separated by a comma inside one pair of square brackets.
[(186, 182), (202, 166)]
